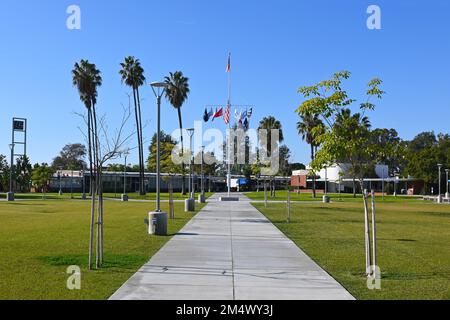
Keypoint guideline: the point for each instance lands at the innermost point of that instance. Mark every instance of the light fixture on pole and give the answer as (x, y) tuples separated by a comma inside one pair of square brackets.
[(158, 219), (190, 203), (439, 195), (446, 183), (201, 197), (10, 195)]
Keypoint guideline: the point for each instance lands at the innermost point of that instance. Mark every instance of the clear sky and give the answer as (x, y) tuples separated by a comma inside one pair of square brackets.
[(277, 46)]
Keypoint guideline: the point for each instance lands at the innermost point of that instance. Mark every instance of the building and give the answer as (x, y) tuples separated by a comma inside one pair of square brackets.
[(336, 179)]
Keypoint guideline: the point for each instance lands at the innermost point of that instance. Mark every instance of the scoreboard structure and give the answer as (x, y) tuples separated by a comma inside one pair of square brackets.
[(19, 136)]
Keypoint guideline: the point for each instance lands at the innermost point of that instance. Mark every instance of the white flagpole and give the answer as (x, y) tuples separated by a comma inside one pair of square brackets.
[(229, 126)]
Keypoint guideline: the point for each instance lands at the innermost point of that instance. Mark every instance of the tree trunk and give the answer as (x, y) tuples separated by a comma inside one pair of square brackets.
[(314, 177), (366, 230), (91, 189), (180, 120), (141, 141), (97, 191), (138, 133)]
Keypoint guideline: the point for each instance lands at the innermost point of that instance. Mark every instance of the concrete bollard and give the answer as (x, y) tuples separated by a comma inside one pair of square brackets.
[(10, 196), (157, 223), (201, 198), (189, 205), (326, 199), (124, 197)]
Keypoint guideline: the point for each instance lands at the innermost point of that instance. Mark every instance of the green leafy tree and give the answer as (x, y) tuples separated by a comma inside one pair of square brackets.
[(177, 93), (23, 173), (347, 136), (71, 157), (309, 128), (167, 145), (4, 173), (132, 75), (41, 177)]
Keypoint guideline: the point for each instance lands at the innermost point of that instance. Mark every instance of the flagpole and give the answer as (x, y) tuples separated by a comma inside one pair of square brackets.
[(229, 126)]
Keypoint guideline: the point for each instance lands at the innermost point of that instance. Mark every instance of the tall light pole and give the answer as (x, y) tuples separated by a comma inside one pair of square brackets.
[(158, 219), (60, 178), (439, 195), (189, 204), (446, 184), (191, 178), (202, 195), (124, 196), (10, 195)]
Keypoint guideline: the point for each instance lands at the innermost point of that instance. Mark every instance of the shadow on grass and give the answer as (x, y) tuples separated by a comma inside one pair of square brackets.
[(111, 261)]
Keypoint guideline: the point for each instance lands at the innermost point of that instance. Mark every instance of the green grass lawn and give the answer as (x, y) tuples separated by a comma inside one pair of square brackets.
[(40, 239), (413, 245), (281, 195), (134, 196)]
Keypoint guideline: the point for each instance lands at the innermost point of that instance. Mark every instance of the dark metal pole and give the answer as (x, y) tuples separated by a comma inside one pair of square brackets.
[(158, 157), (125, 177), (11, 169)]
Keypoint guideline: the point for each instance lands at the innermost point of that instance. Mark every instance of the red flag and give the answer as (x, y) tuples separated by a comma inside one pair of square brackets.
[(226, 117), (229, 64), (218, 113)]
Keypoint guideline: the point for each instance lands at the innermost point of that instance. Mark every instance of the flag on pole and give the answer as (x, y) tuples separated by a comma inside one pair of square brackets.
[(250, 113), (226, 117), (206, 116), (229, 64), (218, 114)]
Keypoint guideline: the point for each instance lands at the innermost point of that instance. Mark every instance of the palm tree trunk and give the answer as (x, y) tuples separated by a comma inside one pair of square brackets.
[(180, 120), (91, 236), (314, 177), (98, 182), (141, 142), (138, 132)]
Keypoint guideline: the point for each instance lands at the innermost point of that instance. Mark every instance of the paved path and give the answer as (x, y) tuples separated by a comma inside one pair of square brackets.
[(230, 251)]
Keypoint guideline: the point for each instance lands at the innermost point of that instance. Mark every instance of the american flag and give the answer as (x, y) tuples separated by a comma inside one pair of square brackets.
[(226, 117), (229, 64)]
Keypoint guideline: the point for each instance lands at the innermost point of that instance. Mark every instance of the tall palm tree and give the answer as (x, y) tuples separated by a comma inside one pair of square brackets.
[(132, 75), (177, 93), (87, 78), (307, 128), (271, 123)]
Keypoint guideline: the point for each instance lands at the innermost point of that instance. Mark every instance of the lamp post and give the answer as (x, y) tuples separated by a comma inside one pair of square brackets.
[(10, 195), (439, 195), (60, 178), (190, 203), (202, 198), (158, 219), (124, 196), (446, 183)]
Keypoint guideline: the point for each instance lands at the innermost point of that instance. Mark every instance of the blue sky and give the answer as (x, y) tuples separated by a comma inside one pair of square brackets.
[(277, 46)]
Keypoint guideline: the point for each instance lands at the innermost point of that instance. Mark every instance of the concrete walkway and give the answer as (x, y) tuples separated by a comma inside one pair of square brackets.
[(230, 251)]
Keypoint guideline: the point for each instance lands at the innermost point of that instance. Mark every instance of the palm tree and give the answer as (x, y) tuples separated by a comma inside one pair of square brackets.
[(133, 76), (307, 127), (271, 123), (177, 92), (86, 77)]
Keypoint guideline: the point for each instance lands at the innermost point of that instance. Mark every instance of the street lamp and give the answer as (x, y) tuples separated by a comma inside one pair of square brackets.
[(439, 195), (190, 203), (158, 219), (60, 178), (202, 197), (446, 184), (124, 196), (10, 195)]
